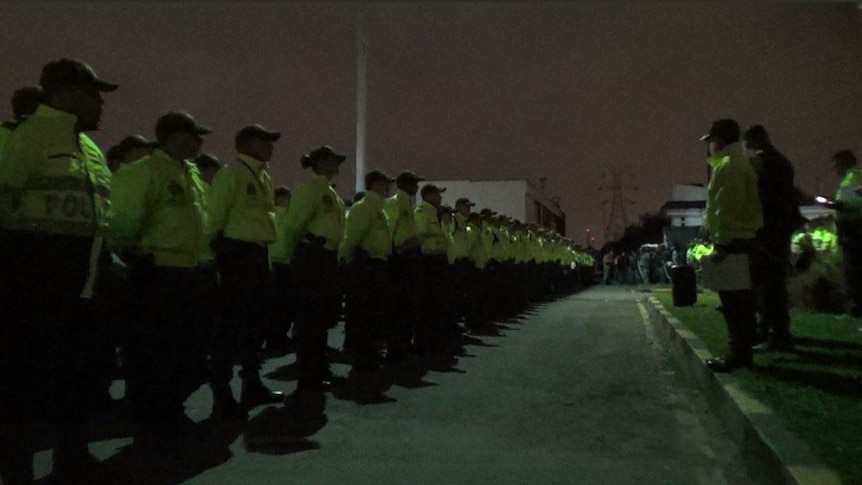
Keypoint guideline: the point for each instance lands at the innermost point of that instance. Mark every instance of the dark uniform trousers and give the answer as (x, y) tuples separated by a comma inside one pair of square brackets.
[(367, 310), (429, 330), (167, 344), (771, 267), (283, 307), (245, 285), (319, 291), (852, 263), (850, 239), (405, 271), (740, 307), (460, 281), (47, 371), (474, 295)]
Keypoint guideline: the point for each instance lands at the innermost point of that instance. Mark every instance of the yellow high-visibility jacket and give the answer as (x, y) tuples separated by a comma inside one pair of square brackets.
[(366, 228), (241, 201), (317, 209), (733, 209), (52, 180), (432, 239), (160, 209)]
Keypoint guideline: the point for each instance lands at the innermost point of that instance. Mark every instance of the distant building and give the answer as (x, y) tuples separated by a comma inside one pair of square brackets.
[(519, 199), (685, 211)]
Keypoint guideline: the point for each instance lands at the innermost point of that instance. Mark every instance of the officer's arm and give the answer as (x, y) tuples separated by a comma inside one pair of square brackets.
[(302, 205), (355, 228), (129, 200), (220, 200)]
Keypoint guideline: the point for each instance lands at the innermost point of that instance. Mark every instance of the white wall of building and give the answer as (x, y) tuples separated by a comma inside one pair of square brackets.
[(688, 193), (685, 217), (508, 197)]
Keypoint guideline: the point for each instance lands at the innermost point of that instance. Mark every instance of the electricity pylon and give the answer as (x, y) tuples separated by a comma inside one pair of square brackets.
[(615, 189)]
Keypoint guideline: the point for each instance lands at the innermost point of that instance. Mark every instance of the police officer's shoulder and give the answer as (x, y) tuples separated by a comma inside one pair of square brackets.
[(192, 168)]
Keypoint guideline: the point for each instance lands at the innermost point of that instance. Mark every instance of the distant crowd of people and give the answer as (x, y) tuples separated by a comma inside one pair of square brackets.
[(185, 267), (649, 264)]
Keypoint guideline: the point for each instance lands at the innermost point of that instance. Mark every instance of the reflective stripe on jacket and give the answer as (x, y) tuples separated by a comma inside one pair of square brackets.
[(51, 180)]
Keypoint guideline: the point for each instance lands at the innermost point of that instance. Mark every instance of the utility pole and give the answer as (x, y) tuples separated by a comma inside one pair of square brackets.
[(617, 221), (361, 96)]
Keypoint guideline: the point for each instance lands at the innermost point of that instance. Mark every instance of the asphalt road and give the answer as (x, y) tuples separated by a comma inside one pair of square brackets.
[(575, 391)]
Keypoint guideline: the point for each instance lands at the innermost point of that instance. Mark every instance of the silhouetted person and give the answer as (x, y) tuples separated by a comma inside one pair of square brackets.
[(24, 103), (131, 148), (781, 217), (283, 308), (209, 165)]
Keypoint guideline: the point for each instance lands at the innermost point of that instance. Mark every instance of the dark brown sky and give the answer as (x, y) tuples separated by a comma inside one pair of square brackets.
[(480, 91)]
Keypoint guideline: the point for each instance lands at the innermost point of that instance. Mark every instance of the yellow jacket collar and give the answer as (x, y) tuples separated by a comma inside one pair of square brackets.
[(163, 155), (252, 162), (46, 111), (374, 199), (725, 154)]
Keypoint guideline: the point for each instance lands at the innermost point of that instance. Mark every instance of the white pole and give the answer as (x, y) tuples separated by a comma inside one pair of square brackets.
[(361, 101)]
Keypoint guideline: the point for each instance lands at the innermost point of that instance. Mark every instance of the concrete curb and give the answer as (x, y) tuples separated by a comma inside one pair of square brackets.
[(772, 454)]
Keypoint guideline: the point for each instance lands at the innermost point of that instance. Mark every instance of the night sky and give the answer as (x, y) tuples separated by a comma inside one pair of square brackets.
[(482, 91)]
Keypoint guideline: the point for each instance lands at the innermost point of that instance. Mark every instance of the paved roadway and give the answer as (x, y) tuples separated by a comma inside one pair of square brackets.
[(575, 391)]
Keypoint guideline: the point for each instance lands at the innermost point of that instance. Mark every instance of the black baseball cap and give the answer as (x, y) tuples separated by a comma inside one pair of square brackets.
[(321, 153), (70, 72), (136, 141), (207, 160), (377, 176), (179, 121), (408, 177), (464, 201), (429, 188), (256, 130), (726, 129)]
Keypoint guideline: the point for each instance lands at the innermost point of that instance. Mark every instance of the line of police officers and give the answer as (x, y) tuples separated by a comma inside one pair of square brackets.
[(215, 268)]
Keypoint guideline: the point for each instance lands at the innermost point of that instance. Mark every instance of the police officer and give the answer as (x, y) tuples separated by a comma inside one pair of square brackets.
[(131, 148), (283, 308), (405, 264), (159, 229), (432, 241), (54, 210), (365, 249), (24, 103), (241, 226), (314, 228), (848, 203)]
